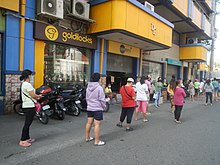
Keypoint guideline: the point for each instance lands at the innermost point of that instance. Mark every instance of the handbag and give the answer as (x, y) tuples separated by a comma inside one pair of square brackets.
[(36, 104), (154, 96), (130, 96)]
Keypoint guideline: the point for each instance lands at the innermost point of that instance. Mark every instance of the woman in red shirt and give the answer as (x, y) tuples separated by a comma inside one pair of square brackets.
[(128, 103), (179, 95)]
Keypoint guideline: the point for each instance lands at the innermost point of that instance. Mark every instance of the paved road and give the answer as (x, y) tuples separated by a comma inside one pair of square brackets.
[(158, 142)]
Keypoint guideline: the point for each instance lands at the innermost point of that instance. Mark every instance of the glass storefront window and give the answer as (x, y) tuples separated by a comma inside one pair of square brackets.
[(153, 69), (67, 65)]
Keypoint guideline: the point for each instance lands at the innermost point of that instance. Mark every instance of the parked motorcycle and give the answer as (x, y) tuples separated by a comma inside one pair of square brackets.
[(41, 114), (80, 91), (54, 100), (71, 102)]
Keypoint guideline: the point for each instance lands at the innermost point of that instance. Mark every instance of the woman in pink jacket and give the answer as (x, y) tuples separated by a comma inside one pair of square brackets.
[(179, 95)]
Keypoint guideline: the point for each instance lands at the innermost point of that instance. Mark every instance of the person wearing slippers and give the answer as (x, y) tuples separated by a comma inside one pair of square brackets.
[(96, 103), (142, 92), (28, 106), (179, 95), (128, 103)]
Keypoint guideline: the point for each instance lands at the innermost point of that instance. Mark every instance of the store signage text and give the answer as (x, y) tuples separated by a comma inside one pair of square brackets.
[(61, 35), (123, 49), (153, 29)]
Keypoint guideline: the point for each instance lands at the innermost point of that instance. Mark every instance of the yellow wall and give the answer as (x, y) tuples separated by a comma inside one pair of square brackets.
[(114, 47), (197, 16), (39, 63), (182, 6), (193, 53), (10, 5), (122, 15)]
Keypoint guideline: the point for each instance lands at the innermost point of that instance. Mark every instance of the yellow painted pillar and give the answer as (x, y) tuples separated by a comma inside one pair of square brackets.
[(22, 30), (38, 63), (101, 54)]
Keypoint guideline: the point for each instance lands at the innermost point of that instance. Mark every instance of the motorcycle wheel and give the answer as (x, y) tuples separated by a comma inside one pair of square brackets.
[(18, 110), (107, 107), (61, 115), (73, 110), (43, 118)]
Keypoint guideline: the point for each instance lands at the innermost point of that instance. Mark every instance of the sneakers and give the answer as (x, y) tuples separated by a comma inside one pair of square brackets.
[(119, 125), (178, 122), (100, 143), (206, 104), (145, 120), (129, 129)]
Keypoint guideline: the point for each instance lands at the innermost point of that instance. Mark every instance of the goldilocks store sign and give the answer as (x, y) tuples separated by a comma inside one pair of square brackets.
[(64, 36)]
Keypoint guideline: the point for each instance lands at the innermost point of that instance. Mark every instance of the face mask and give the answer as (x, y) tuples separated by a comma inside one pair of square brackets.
[(31, 79)]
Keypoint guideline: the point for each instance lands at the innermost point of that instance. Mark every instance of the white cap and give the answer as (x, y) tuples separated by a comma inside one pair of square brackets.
[(130, 80)]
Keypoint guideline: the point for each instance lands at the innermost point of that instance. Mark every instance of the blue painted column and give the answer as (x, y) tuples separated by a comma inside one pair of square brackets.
[(28, 38), (104, 68), (96, 58)]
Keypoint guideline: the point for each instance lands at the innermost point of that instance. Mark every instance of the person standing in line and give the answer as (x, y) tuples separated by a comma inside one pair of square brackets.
[(179, 96), (142, 91), (149, 86), (201, 89), (96, 103), (208, 91), (191, 90), (28, 98), (128, 104), (215, 85), (196, 86), (170, 91), (159, 86)]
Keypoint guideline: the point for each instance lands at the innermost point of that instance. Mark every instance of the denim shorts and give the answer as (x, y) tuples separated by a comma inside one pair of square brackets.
[(97, 115)]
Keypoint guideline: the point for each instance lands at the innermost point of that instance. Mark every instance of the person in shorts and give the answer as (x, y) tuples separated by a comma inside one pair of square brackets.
[(96, 103)]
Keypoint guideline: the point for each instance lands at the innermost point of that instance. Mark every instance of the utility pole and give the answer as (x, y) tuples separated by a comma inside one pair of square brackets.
[(213, 31)]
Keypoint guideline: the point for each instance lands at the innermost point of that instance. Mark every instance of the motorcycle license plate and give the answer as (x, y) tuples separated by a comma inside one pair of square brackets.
[(77, 102), (107, 100), (45, 107)]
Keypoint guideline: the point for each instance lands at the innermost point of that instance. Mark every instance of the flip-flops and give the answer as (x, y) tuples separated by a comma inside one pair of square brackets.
[(30, 140), (90, 139), (101, 143), (24, 144)]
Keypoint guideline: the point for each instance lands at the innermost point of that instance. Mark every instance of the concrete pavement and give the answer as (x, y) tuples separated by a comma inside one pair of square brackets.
[(159, 141)]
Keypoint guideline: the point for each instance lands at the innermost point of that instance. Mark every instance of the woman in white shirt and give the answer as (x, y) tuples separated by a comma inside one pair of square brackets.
[(142, 91), (28, 98)]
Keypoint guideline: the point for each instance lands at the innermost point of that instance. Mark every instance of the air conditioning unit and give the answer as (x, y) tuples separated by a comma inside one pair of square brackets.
[(148, 5), (80, 8), (51, 8), (192, 40)]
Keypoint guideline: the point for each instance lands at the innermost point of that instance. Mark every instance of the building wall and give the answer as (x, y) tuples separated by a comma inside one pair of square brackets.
[(161, 55), (20, 61)]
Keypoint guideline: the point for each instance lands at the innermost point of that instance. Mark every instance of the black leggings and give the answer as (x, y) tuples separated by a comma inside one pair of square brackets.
[(127, 112), (209, 95), (177, 112), (29, 116)]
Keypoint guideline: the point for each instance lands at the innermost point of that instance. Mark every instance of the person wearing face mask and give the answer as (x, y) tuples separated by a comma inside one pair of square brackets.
[(28, 98), (179, 96)]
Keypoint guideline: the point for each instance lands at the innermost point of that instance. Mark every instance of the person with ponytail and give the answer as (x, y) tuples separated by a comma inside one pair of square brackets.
[(28, 98), (179, 95)]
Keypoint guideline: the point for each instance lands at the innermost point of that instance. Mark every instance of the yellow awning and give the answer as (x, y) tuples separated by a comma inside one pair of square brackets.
[(130, 22)]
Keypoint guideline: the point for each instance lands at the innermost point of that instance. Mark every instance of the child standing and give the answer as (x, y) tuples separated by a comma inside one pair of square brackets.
[(179, 95)]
